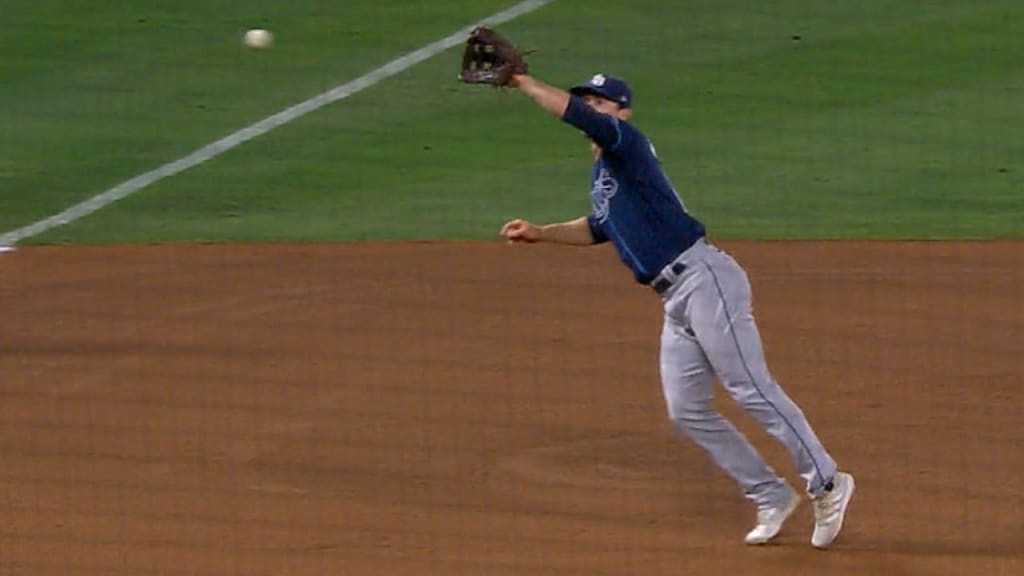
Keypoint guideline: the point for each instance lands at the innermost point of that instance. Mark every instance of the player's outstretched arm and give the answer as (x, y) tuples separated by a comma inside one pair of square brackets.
[(575, 232), (554, 100)]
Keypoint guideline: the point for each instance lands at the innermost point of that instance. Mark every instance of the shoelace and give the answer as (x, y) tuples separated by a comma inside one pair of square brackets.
[(767, 515), (827, 507)]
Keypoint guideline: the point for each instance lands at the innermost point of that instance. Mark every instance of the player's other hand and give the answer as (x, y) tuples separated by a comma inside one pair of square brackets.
[(520, 231)]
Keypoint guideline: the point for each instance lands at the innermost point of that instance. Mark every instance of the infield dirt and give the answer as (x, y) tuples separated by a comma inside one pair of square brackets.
[(474, 408)]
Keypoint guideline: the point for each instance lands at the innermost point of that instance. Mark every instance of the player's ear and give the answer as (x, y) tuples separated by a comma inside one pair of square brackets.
[(624, 113)]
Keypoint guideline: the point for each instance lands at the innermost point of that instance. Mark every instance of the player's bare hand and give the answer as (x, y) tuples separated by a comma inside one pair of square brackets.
[(520, 231)]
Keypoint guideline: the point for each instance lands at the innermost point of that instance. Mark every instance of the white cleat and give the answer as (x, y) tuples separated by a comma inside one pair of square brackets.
[(830, 509), (770, 521)]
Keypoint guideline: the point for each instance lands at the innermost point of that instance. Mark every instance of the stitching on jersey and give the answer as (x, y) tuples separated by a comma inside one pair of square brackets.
[(625, 246), (618, 133)]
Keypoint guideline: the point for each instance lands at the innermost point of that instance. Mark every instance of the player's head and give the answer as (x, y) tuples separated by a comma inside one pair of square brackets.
[(606, 94)]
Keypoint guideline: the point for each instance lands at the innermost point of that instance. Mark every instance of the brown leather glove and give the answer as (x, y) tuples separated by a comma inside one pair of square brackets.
[(490, 58)]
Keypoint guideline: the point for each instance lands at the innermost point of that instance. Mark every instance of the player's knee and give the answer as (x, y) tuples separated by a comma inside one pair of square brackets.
[(748, 398), (691, 417), (747, 393)]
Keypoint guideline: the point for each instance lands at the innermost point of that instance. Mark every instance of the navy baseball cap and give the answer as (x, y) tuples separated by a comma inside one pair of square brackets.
[(610, 87)]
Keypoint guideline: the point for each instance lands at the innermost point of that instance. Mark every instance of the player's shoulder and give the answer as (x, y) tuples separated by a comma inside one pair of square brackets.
[(628, 125), (632, 136)]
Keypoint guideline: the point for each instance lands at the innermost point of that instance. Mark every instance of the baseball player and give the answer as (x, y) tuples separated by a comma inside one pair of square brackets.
[(709, 327)]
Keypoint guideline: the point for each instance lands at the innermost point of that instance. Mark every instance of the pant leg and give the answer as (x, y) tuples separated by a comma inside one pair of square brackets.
[(722, 317), (688, 385)]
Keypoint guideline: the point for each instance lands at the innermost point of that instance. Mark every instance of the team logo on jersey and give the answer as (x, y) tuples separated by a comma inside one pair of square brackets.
[(601, 194)]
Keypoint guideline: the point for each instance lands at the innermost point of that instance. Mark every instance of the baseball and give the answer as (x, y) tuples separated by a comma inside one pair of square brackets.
[(258, 38)]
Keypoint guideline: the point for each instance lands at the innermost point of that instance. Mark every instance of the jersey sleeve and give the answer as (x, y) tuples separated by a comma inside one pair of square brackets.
[(607, 131), (595, 230)]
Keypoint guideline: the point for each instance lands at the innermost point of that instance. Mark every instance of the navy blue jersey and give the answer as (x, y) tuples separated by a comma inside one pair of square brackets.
[(635, 206)]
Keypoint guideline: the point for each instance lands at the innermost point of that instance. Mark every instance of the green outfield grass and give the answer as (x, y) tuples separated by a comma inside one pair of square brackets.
[(789, 119)]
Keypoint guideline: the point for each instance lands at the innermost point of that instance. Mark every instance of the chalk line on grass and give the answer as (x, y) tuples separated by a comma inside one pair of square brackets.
[(133, 185)]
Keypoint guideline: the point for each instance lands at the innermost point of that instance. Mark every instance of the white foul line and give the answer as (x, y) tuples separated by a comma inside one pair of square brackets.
[(133, 185)]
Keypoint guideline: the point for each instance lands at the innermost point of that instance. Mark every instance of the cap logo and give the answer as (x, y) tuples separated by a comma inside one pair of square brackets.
[(598, 80)]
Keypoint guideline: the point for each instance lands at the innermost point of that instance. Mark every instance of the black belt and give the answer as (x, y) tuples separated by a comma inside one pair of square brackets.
[(661, 283)]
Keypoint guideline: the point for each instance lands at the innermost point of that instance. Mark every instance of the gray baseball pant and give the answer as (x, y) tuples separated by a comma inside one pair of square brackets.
[(709, 331)]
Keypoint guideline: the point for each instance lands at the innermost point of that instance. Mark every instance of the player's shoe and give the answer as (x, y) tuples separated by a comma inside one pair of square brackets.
[(770, 520), (830, 509)]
